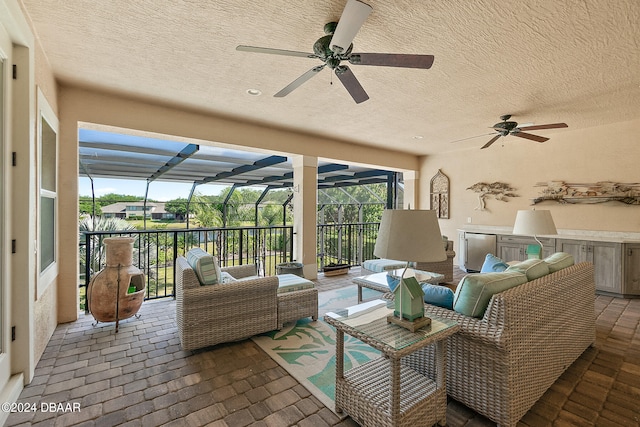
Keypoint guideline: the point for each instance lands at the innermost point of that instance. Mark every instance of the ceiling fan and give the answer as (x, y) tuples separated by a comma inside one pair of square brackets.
[(336, 46), (506, 127)]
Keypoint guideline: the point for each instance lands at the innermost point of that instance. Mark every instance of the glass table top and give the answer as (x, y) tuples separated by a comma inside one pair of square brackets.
[(370, 319), (383, 277)]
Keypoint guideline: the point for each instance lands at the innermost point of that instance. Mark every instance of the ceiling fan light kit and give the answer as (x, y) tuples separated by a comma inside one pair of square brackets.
[(336, 46)]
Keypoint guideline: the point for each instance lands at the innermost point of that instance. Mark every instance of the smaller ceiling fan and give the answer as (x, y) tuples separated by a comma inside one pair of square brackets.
[(506, 127), (336, 46)]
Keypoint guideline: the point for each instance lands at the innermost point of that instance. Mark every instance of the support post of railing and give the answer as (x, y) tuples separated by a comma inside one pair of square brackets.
[(175, 256), (321, 241), (87, 270), (360, 250), (340, 231), (241, 243), (290, 256), (349, 243)]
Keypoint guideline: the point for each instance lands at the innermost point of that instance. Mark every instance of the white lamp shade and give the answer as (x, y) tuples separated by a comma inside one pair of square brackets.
[(534, 223), (410, 235)]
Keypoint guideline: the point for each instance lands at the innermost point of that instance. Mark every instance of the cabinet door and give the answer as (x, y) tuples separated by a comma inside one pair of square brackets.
[(607, 262), (631, 285), (511, 252), (577, 248), (548, 250)]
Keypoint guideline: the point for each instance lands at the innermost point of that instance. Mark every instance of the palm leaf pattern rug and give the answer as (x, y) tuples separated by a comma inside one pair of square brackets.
[(307, 350)]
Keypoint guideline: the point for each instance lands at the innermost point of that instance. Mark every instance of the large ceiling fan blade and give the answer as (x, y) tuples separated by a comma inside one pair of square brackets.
[(299, 81), (549, 126), (472, 137), (256, 49), (535, 138), (491, 141), (352, 84), (353, 16), (392, 60)]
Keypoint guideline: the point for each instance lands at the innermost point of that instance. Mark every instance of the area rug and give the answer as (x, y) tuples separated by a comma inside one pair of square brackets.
[(307, 350)]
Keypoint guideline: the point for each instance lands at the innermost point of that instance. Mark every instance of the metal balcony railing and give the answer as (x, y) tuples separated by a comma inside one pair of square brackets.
[(155, 251)]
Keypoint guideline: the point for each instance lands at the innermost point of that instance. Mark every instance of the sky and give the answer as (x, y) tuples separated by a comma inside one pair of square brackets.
[(158, 190)]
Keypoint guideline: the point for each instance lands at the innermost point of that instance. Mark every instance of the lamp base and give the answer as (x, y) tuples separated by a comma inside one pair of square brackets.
[(408, 324)]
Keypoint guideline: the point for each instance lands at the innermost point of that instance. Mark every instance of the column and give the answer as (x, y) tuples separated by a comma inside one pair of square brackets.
[(305, 198), (411, 187)]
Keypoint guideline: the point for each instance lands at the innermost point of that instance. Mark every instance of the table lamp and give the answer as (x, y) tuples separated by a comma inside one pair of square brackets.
[(534, 223), (409, 235)]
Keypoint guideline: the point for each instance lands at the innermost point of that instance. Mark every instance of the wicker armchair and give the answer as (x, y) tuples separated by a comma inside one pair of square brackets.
[(209, 315), (444, 267)]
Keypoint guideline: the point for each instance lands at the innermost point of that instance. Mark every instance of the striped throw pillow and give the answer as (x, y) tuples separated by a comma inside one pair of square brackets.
[(205, 265)]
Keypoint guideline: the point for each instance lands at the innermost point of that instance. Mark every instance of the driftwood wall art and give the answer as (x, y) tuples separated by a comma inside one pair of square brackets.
[(598, 192), (499, 191), (440, 194)]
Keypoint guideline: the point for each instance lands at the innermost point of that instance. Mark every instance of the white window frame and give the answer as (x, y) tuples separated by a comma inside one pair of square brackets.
[(50, 273)]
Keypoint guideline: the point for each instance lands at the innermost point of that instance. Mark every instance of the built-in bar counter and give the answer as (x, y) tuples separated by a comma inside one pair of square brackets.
[(614, 254)]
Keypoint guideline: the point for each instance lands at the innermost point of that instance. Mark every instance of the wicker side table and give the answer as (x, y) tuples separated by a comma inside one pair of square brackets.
[(389, 391)]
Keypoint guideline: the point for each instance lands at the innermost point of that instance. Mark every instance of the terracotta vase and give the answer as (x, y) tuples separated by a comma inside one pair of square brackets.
[(108, 295)]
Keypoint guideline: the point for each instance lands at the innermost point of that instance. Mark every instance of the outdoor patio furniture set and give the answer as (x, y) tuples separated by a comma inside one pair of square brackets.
[(239, 304), (517, 332)]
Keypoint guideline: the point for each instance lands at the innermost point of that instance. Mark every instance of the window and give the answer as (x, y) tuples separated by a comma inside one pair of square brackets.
[(48, 200)]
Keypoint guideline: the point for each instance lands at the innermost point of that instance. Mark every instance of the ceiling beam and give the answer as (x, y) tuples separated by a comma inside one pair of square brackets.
[(183, 155), (125, 148), (259, 164), (357, 175), (331, 167)]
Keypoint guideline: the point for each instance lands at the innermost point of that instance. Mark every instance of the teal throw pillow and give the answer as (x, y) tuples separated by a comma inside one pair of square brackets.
[(493, 264), (532, 268), (392, 281), (475, 290), (438, 295), (558, 261)]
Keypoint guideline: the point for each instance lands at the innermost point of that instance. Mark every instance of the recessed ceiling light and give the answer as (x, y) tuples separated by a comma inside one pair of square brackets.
[(418, 137), (254, 92)]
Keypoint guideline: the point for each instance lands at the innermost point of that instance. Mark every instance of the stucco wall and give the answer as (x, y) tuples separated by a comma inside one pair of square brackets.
[(46, 306), (602, 153)]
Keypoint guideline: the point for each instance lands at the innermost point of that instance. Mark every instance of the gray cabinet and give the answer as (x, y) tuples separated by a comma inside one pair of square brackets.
[(514, 248), (605, 256), (616, 264), (631, 274)]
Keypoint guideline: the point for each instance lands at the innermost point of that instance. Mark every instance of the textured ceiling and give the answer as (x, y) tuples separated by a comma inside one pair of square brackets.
[(544, 61)]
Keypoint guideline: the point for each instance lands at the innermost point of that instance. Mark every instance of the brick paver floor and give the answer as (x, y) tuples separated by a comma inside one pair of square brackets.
[(141, 377)]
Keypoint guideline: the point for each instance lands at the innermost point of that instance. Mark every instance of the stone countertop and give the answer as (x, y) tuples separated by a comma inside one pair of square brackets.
[(593, 235)]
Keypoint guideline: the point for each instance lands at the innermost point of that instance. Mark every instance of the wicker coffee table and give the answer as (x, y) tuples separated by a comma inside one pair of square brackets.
[(378, 281), (400, 389)]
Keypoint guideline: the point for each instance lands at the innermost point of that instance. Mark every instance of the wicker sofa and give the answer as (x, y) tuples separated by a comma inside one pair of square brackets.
[(224, 312), (501, 364)]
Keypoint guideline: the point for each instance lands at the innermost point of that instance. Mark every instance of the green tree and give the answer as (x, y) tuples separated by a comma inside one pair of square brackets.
[(86, 206), (178, 207), (270, 215), (206, 214), (111, 198)]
